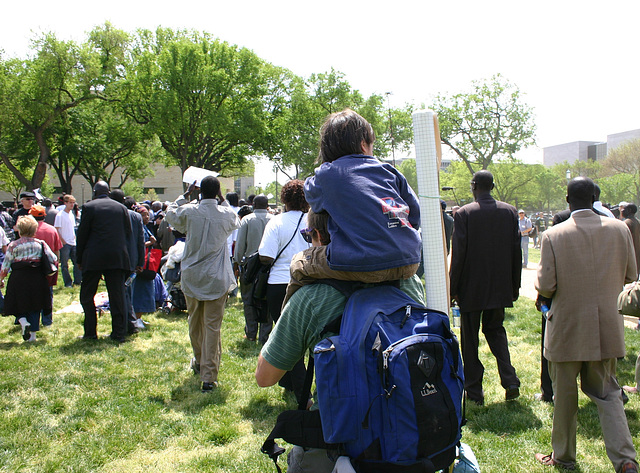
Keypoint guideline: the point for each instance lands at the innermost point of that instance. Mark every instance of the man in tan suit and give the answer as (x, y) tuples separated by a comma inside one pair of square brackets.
[(585, 333)]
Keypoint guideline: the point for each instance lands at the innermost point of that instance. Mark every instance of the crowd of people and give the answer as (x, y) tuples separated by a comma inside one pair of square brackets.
[(355, 219)]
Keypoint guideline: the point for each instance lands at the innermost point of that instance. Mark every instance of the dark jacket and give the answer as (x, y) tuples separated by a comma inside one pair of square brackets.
[(102, 235), (135, 243), (634, 227), (485, 255)]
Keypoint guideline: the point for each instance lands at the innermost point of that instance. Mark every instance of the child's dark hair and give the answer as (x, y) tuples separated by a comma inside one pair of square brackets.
[(318, 221), (342, 134)]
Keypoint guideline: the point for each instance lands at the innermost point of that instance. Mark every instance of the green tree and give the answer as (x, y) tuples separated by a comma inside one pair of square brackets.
[(548, 190), (408, 170), (626, 159), (489, 123), (37, 92), (456, 175), (203, 98), (110, 146), (513, 181), (618, 188), (306, 104)]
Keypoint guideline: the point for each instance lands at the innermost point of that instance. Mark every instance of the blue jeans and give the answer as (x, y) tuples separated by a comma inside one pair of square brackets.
[(69, 252), (47, 319), (524, 245), (33, 318)]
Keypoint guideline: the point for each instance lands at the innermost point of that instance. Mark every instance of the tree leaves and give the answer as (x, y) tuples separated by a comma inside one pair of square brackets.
[(487, 124)]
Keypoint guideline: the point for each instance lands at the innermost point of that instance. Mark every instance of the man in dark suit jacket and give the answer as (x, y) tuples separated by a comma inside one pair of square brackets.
[(102, 251), (485, 278), (629, 216), (135, 247)]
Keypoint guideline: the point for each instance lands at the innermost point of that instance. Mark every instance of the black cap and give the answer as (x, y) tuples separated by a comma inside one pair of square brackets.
[(27, 194)]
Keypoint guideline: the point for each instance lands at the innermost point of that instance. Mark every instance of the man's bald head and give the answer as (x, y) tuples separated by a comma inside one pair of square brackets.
[(580, 193), (260, 202), (101, 188), (481, 183)]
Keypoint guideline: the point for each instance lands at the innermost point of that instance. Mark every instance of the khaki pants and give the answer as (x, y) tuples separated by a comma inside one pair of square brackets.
[(311, 264), (205, 319), (597, 380)]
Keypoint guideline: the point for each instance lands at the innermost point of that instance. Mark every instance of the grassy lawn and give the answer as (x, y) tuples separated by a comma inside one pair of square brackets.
[(95, 406)]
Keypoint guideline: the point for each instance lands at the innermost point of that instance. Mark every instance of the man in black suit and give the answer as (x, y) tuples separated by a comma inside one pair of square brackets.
[(102, 251), (485, 278)]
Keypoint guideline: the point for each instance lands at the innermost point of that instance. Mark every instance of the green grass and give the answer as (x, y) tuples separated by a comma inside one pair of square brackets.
[(96, 406)]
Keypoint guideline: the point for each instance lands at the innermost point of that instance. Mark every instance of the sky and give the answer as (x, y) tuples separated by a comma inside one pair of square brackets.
[(574, 61)]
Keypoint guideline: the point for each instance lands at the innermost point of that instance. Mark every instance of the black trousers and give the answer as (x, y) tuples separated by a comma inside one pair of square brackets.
[(496, 336), (545, 380), (292, 380), (114, 280)]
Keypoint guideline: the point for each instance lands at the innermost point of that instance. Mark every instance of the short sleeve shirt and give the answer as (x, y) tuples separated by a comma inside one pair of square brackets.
[(306, 314)]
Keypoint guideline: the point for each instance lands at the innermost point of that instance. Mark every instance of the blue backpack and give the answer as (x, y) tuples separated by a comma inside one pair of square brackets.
[(390, 385)]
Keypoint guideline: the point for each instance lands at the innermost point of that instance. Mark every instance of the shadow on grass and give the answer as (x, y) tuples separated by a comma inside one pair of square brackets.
[(262, 412), (173, 316), (10, 345), (589, 421), (502, 418), (188, 397), (81, 346), (244, 348)]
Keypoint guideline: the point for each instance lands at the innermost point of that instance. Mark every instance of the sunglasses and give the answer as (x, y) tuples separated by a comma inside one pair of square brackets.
[(307, 234)]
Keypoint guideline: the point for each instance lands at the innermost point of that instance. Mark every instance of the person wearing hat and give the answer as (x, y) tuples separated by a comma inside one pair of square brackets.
[(525, 228), (27, 199), (49, 235)]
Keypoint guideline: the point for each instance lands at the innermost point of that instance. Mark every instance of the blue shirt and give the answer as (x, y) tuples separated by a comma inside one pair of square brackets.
[(374, 215)]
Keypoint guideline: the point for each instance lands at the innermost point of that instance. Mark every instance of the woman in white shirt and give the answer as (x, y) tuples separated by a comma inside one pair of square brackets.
[(280, 242)]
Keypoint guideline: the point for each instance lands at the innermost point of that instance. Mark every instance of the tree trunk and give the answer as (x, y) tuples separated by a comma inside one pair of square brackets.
[(16, 172), (40, 171)]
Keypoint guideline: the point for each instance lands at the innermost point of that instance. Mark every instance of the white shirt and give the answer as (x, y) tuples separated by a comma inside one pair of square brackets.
[(65, 224), (234, 235), (276, 235), (601, 208), (3, 237), (206, 272)]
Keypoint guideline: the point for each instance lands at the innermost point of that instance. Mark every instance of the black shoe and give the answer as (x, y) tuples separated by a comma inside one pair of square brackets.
[(208, 387), (26, 331), (511, 393), (477, 402), (117, 339), (88, 337), (131, 330), (625, 398)]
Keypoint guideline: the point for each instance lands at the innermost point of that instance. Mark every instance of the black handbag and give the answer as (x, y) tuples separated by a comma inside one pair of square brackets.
[(49, 268), (261, 272), (250, 266)]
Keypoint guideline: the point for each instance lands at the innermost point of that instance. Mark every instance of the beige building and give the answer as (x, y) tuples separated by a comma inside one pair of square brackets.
[(586, 150), (166, 183)]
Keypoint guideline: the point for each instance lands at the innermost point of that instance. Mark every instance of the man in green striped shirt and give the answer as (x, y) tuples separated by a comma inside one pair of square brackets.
[(298, 330)]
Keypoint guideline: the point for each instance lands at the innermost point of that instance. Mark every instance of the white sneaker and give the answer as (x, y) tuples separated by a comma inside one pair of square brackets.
[(139, 324)]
